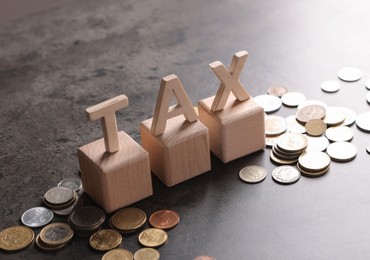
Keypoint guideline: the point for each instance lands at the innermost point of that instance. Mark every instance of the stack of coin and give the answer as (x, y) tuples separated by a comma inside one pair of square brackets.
[(86, 220), (313, 164), (58, 198), (16, 238), (73, 183), (128, 220), (288, 148), (105, 240), (54, 236)]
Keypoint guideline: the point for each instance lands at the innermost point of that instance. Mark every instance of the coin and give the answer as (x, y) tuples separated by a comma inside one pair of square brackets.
[(146, 253), (279, 161), (65, 212), (293, 126), (312, 102), (128, 219), (105, 239), (312, 173), (87, 217), (318, 144), (37, 217), (367, 84), (334, 116), (342, 151), (292, 142), (349, 74), (339, 133), (285, 174), (275, 125), (59, 196), (56, 234), (118, 254), (309, 112), (204, 257), (47, 247), (253, 174), (269, 103), (153, 237), (277, 90), (314, 161), (368, 97), (293, 99), (363, 121), (164, 219), (315, 127), (16, 238), (73, 183), (330, 86), (350, 116), (270, 141)]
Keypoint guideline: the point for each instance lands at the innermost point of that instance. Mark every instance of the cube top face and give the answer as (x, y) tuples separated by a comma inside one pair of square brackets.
[(233, 110), (129, 152)]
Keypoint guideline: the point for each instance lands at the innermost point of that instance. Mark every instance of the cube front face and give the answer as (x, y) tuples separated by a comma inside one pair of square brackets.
[(236, 131), (115, 180), (180, 153)]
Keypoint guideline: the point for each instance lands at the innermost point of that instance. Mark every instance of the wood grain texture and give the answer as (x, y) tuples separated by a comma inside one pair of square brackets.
[(180, 153), (235, 131), (115, 180)]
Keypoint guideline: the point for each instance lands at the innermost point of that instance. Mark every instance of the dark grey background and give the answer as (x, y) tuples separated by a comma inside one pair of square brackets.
[(56, 62)]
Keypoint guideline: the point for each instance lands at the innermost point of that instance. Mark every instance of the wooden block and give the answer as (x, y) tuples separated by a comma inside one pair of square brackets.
[(115, 180), (235, 131)]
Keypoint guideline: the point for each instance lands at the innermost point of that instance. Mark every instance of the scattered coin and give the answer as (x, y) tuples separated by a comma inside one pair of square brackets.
[(293, 99), (317, 144), (314, 161), (119, 254), (349, 74), (153, 237), (76, 205), (334, 116), (204, 257), (47, 247), (367, 84), (280, 161), (164, 219), (339, 133), (330, 86), (37, 217), (73, 183), (312, 102), (105, 239), (146, 253), (368, 97), (350, 116), (286, 174), (312, 173), (292, 142), (86, 220), (363, 121), (59, 198), (270, 141), (56, 234), (315, 127), (16, 238), (269, 103), (342, 151), (277, 90), (128, 220), (253, 174), (275, 125), (293, 126), (309, 112)]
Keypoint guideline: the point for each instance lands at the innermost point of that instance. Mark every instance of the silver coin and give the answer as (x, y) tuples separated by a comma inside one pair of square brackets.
[(363, 121), (330, 86), (339, 133), (367, 84), (293, 99), (253, 174), (275, 125), (334, 116), (269, 103), (73, 183), (37, 217), (368, 97), (294, 126), (314, 161), (317, 144), (59, 195), (286, 174), (277, 90), (350, 116), (271, 140), (292, 142), (349, 74), (312, 102), (342, 151)]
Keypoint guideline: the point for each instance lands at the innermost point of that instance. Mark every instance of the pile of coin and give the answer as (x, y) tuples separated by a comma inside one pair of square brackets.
[(313, 164), (288, 148), (54, 236), (86, 220), (58, 198), (128, 220)]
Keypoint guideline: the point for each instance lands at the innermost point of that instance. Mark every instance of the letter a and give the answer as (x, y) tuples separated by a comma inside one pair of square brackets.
[(229, 80), (171, 85)]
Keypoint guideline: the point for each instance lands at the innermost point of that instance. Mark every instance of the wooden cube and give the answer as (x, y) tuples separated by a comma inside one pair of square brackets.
[(178, 154), (115, 180), (235, 131)]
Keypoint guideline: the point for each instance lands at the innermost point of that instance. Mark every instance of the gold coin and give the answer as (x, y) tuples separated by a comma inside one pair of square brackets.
[(146, 253), (105, 239), (164, 219), (16, 238), (153, 237), (118, 254), (56, 234), (128, 219), (315, 127)]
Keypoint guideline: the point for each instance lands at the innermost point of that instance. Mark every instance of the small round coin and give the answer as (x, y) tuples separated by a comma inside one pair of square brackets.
[(350, 116), (309, 112), (56, 234), (146, 253), (315, 127), (342, 151), (87, 217), (105, 239), (128, 219), (363, 121), (314, 161), (269, 103), (153, 237), (59, 195), (312, 102), (293, 99), (286, 174), (293, 126), (164, 219), (275, 125), (16, 238), (73, 183), (317, 144), (334, 116), (277, 90), (292, 142), (47, 247), (349, 74), (280, 161), (312, 174), (252, 174), (118, 254), (37, 217), (339, 133), (330, 86)]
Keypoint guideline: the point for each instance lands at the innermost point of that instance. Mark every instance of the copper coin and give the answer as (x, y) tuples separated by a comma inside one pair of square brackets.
[(164, 219), (315, 127), (277, 90), (309, 112)]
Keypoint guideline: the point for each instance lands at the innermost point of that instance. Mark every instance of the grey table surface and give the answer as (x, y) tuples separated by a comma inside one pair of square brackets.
[(56, 62)]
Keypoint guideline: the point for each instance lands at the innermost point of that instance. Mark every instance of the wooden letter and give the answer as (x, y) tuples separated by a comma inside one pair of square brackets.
[(229, 80), (171, 85), (106, 111)]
